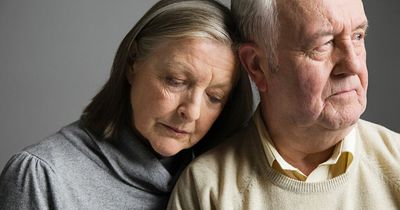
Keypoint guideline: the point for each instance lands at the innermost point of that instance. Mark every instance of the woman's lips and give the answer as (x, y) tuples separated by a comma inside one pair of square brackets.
[(176, 129)]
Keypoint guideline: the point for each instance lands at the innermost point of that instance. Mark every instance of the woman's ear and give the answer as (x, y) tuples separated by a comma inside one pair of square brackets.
[(250, 56), (131, 61), (129, 73)]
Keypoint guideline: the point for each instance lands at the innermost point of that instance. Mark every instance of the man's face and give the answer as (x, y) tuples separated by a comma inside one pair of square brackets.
[(322, 75)]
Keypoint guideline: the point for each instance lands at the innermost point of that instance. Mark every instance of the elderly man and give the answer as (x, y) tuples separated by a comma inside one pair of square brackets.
[(305, 147)]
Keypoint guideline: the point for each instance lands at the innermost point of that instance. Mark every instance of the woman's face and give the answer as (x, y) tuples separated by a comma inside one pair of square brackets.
[(179, 90)]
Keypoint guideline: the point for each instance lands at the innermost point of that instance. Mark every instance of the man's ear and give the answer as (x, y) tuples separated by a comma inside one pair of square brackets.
[(250, 56)]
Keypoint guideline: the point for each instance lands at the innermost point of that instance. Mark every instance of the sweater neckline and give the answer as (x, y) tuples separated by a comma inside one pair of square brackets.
[(128, 159), (309, 187), (297, 186)]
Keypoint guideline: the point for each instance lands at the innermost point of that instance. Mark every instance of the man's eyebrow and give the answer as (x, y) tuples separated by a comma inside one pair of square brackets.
[(329, 31), (363, 26), (321, 33), (309, 40)]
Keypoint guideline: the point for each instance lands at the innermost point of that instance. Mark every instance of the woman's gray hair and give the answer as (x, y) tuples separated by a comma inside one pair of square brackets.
[(174, 19), (110, 110), (257, 22)]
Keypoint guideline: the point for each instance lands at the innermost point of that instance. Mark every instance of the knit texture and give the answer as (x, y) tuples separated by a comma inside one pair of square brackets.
[(73, 169), (236, 175)]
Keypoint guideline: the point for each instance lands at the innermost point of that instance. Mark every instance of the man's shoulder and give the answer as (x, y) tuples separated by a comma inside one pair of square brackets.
[(380, 150), (237, 153), (223, 172), (377, 135)]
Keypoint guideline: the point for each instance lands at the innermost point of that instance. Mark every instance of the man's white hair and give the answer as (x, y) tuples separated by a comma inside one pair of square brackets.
[(258, 23)]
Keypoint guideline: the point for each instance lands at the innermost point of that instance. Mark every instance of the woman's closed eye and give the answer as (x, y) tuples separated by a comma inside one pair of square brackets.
[(215, 98), (175, 83)]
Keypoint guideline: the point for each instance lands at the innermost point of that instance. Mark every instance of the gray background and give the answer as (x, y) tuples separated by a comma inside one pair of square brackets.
[(55, 55)]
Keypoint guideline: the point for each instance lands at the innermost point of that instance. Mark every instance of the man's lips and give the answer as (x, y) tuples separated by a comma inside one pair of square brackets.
[(341, 92), (344, 92)]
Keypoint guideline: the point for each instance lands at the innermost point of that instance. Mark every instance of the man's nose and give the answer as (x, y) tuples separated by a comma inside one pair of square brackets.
[(350, 60)]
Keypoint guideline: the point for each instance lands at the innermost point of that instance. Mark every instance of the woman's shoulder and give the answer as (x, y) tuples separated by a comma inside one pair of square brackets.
[(59, 150), (33, 176), (57, 145)]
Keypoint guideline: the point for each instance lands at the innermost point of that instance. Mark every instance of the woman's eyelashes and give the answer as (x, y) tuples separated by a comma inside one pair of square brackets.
[(215, 99), (175, 83)]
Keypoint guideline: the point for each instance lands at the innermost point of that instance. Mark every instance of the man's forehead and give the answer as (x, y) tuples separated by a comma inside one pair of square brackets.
[(297, 11), (309, 7)]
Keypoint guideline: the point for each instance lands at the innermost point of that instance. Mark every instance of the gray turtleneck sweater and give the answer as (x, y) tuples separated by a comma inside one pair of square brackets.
[(72, 169)]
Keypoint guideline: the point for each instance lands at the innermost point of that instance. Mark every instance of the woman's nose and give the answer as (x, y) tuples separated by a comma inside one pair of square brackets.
[(189, 109)]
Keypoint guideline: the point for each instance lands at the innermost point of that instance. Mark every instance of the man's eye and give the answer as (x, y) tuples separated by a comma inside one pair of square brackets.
[(325, 47), (358, 36)]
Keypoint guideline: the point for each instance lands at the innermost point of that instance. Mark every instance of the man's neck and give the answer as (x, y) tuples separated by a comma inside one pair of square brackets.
[(305, 162), (303, 148)]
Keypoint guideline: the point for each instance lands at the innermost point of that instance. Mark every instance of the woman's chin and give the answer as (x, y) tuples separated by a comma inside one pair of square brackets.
[(168, 149)]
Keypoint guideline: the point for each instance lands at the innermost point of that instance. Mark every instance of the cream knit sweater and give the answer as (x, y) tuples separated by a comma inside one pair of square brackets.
[(236, 175)]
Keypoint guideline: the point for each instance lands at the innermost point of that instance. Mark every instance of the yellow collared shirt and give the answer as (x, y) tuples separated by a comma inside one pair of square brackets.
[(333, 167)]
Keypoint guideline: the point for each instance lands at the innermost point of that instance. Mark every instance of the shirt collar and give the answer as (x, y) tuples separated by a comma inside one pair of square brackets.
[(346, 145)]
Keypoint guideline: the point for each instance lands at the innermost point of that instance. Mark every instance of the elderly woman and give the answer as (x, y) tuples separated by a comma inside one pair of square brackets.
[(175, 81)]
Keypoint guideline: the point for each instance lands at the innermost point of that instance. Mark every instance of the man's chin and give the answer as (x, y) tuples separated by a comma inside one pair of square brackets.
[(340, 123), (338, 118)]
